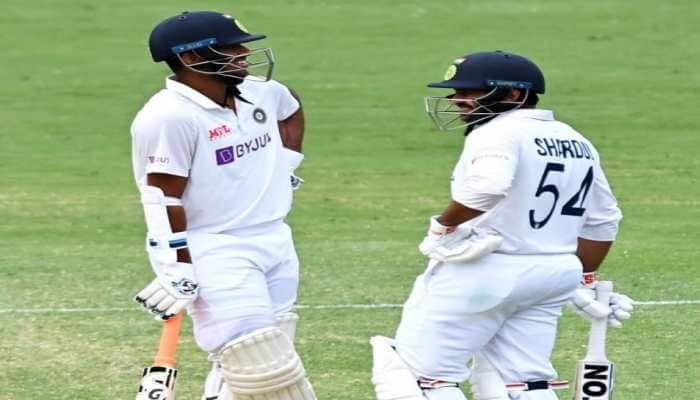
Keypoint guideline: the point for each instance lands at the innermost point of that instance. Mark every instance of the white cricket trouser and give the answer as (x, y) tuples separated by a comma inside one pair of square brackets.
[(246, 277), (504, 306)]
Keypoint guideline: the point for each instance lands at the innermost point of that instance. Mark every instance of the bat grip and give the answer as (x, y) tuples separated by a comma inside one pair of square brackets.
[(169, 338), (599, 327)]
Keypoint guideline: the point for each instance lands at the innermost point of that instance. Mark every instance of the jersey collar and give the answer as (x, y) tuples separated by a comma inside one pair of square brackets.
[(531, 113), (191, 94)]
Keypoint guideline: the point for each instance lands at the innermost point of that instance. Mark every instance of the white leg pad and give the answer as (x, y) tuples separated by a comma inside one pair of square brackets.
[(214, 387), (535, 395), (486, 382), (445, 393), (287, 322), (263, 365), (392, 378)]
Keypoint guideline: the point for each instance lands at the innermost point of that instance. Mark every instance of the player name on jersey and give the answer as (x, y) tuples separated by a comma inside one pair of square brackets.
[(563, 148)]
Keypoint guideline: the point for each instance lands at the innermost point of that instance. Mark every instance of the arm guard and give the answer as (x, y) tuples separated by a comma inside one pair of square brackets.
[(161, 243)]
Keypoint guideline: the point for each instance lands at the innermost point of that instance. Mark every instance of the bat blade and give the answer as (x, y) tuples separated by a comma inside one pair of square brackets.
[(595, 373), (594, 380)]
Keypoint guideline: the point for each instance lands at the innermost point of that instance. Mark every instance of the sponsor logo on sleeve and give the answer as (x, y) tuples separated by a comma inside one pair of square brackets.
[(158, 160)]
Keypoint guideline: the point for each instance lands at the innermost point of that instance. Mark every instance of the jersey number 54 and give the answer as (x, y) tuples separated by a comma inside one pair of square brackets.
[(574, 206)]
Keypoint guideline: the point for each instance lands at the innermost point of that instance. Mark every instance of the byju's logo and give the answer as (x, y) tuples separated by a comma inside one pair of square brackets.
[(227, 155), (224, 156)]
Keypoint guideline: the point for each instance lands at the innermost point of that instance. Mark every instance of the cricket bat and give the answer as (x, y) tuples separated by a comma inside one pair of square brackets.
[(158, 380), (594, 374)]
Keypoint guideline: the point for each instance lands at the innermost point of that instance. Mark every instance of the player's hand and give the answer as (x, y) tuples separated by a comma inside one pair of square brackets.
[(296, 181), (457, 244), (622, 307), (293, 160), (584, 303), (171, 291)]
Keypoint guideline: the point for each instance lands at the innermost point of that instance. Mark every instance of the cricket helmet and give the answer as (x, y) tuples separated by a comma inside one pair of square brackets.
[(487, 70), (496, 73), (194, 30), (206, 33)]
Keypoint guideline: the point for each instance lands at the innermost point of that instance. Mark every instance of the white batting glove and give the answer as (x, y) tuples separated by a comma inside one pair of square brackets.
[(293, 160), (157, 383), (296, 181), (457, 244), (170, 292), (584, 303)]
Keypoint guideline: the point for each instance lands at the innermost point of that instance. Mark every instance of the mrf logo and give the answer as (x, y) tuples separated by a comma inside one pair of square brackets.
[(219, 132), (597, 381)]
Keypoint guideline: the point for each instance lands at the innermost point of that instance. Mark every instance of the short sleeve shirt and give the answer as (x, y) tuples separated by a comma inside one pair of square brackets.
[(546, 177), (237, 176)]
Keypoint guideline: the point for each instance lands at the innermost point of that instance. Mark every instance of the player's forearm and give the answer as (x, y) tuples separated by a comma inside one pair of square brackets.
[(292, 130), (178, 223), (592, 253), (457, 213), (173, 186)]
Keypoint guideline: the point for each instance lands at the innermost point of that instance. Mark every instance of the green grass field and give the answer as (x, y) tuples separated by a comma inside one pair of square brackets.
[(75, 72)]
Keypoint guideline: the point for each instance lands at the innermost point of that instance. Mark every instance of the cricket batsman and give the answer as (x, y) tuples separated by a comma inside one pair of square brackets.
[(214, 155), (531, 216)]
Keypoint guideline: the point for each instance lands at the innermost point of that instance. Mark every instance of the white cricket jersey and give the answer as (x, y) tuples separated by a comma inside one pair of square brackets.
[(237, 176), (539, 181)]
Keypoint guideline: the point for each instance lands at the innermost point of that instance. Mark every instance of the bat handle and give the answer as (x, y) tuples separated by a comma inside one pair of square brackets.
[(599, 327), (169, 338)]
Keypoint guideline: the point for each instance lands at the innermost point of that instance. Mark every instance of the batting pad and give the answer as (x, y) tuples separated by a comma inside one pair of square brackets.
[(539, 395), (487, 383), (263, 365), (390, 375), (287, 322)]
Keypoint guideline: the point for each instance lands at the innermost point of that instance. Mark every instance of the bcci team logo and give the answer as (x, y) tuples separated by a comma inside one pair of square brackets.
[(451, 72), (238, 24), (259, 116), (241, 26), (452, 69)]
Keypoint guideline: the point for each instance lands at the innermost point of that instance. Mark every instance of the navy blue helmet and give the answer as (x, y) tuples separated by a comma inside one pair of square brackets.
[(208, 34), (494, 75), (491, 69), (194, 30)]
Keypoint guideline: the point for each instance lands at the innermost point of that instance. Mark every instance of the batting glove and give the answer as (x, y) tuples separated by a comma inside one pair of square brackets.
[(293, 160), (584, 303), (157, 383), (173, 289), (457, 244), (296, 181)]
